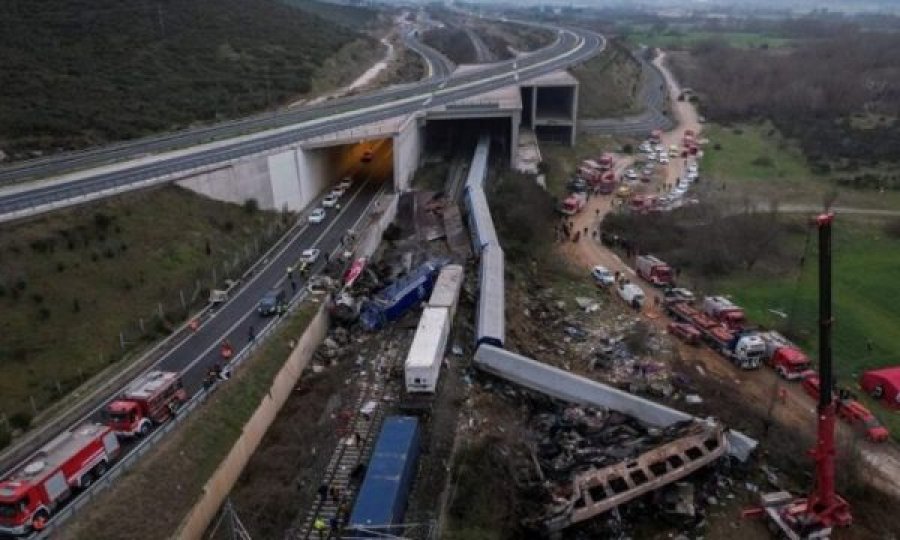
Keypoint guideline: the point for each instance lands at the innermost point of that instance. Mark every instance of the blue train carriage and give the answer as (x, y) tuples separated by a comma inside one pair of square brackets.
[(381, 504), (478, 166), (490, 324), (481, 225), (393, 301)]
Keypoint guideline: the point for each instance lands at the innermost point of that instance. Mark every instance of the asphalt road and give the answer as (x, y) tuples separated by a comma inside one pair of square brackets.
[(411, 99), (652, 95), (196, 353)]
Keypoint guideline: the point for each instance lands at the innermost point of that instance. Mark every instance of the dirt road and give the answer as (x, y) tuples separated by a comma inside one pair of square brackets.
[(758, 389)]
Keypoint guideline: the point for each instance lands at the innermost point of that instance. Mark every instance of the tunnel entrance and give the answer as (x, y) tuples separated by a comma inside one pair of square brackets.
[(446, 139), (323, 168)]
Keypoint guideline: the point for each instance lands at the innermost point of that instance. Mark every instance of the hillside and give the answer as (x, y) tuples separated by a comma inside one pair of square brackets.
[(82, 72)]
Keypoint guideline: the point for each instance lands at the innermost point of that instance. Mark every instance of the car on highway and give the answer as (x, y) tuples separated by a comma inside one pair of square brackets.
[(602, 276), (337, 191), (317, 215), (272, 303), (367, 156), (331, 200), (345, 183), (310, 256)]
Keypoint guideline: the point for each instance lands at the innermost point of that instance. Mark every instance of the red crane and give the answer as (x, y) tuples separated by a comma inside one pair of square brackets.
[(814, 516)]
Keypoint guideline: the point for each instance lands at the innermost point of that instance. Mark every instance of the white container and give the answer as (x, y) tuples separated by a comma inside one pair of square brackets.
[(446, 288), (423, 364)]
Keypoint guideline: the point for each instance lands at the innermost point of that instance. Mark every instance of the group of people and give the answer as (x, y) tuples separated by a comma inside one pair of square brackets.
[(339, 520)]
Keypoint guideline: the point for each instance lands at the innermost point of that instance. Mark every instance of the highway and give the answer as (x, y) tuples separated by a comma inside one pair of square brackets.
[(572, 47), (198, 351)]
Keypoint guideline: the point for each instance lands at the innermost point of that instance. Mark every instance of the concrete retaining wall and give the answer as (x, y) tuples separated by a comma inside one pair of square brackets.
[(235, 183), (223, 479)]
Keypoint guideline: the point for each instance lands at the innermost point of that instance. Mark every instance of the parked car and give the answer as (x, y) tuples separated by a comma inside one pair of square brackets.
[(630, 175), (602, 276), (330, 200), (317, 215), (645, 147), (663, 158), (309, 256)]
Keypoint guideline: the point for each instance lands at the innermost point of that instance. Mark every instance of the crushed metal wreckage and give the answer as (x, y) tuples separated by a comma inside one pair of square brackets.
[(586, 461)]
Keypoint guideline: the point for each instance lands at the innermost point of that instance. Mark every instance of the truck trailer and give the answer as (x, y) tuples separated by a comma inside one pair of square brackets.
[(426, 354), (70, 462), (150, 400), (744, 349), (447, 287), (381, 502)]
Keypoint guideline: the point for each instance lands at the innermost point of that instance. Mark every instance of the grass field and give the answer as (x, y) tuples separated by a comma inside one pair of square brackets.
[(610, 83), (755, 161), (683, 40), (71, 281), (866, 290)]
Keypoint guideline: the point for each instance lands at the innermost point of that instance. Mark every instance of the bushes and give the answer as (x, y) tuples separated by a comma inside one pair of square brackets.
[(112, 72)]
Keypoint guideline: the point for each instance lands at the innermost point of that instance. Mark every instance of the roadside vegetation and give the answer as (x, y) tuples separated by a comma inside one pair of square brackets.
[(610, 83), (77, 74), (842, 123), (75, 282), (673, 38), (453, 42), (181, 465)]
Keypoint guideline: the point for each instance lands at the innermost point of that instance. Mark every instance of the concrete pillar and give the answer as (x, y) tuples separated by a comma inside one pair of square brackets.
[(407, 151)]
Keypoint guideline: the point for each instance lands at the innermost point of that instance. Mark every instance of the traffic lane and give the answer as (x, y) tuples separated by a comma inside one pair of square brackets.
[(111, 180), (239, 331), (211, 333), (567, 41)]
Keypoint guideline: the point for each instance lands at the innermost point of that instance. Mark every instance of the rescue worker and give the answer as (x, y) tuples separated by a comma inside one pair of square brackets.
[(319, 526), (290, 272), (252, 333)]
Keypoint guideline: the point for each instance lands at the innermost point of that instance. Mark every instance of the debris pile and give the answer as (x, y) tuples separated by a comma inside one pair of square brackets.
[(580, 462)]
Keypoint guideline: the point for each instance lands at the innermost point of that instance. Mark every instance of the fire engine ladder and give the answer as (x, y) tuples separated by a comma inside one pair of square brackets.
[(347, 456)]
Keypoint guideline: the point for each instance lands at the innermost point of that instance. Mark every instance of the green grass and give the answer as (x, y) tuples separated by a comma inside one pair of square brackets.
[(73, 280), (755, 161), (683, 40), (609, 86), (177, 471), (866, 290)]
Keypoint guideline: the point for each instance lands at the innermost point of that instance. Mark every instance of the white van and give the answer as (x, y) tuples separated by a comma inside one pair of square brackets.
[(632, 294)]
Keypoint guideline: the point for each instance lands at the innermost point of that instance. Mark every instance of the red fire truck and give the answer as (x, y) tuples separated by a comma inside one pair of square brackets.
[(70, 462), (148, 401)]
